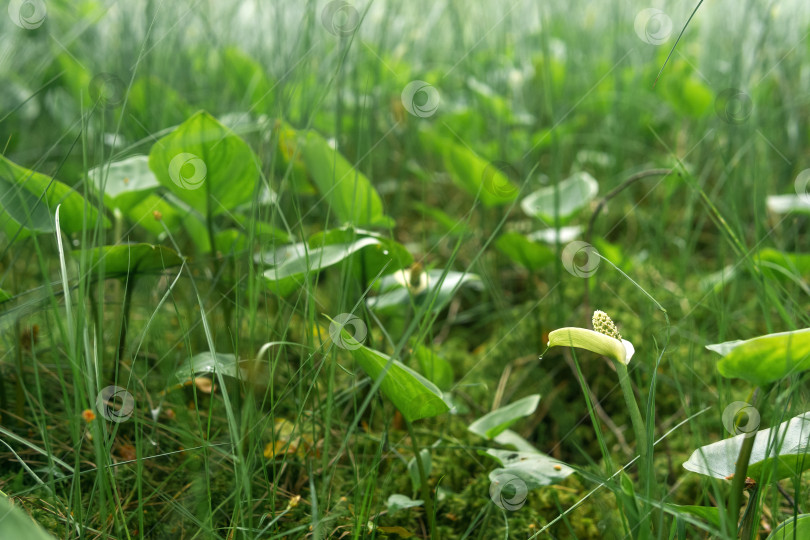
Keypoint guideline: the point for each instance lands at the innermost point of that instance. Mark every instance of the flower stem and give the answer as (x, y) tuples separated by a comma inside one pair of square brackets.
[(740, 474), (641, 442), (425, 488), (635, 414)]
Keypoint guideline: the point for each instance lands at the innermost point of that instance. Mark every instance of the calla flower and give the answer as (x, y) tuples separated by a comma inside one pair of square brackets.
[(606, 341)]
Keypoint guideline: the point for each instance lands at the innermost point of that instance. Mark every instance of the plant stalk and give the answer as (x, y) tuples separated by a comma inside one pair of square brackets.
[(425, 489), (641, 437), (740, 474)]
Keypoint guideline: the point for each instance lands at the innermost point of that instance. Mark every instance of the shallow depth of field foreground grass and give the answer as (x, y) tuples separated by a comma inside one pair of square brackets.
[(428, 269)]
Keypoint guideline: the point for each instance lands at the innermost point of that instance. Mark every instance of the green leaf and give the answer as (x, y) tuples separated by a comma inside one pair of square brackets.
[(177, 221), (794, 528), (24, 209), (452, 226), (534, 468), (127, 183), (510, 438), (710, 514), (592, 341), (347, 191), (130, 258), (492, 424), (627, 495), (205, 165), (397, 502), (434, 367), (778, 453), (414, 396), (292, 263), (435, 287), (523, 251), (574, 193), (778, 265), (764, 359), (15, 523), (205, 362), (5, 296), (413, 468), (468, 170), (388, 257)]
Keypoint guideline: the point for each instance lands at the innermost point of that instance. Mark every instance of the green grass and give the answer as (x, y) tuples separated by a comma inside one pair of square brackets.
[(301, 444)]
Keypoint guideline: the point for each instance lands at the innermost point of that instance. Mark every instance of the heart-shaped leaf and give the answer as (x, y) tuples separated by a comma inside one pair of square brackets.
[(413, 468), (468, 170), (414, 396), (130, 258), (710, 514), (492, 424), (523, 251), (792, 529), (435, 287), (779, 265), (125, 182), (764, 359), (574, 193), (206, 165), (205, 362), (778, 453), (434, 367), (15, 523), (387, 258), (291, 263), (28, 200), (533, 468), (348, 192), (397, 502)]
